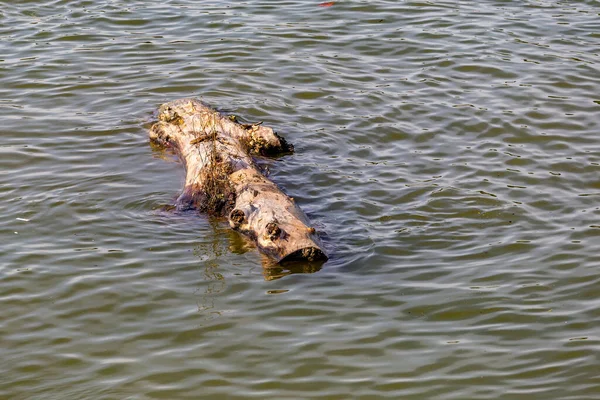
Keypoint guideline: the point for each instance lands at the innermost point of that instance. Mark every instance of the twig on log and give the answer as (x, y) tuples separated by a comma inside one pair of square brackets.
[(223, 179)]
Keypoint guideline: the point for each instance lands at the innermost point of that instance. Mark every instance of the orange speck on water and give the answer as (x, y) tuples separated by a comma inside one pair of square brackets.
[(327, 4)]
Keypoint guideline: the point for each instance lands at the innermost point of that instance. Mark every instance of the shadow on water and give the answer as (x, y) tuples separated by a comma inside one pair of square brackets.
[(273, 270), (238, 244), (226, 241)]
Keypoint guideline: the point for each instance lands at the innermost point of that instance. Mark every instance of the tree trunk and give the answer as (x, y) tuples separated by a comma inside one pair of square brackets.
[(222, 178)]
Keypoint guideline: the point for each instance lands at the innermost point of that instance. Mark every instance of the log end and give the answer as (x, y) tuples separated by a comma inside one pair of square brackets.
[(284, 239), (289, 240), (160, 134), (264, 141), (310, 253)]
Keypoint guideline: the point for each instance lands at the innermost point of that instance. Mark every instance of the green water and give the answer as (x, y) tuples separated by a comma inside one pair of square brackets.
[(448, 151)]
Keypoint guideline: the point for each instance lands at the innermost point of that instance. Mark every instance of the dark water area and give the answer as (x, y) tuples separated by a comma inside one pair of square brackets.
[(448, 151)]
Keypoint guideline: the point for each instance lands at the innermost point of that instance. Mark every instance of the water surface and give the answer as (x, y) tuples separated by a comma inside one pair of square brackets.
[(448, 152)]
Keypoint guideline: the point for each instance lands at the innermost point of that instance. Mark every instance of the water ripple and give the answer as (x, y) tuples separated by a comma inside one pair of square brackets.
[(447, 152)]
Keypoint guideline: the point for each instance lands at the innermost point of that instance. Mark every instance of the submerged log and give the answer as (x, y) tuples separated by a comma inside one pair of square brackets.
[(223, 178)]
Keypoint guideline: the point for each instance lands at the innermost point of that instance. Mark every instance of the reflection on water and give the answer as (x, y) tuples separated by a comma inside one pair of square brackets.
[(272, 270), (226, 240), (213, 283)]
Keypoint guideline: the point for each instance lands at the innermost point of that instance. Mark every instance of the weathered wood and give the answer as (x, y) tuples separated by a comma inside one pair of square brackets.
[(222, 177)]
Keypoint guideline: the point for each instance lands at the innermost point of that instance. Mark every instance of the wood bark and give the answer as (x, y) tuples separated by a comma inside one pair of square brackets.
[(222, 178)]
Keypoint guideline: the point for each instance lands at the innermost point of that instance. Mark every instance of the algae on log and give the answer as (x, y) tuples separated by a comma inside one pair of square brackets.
[(222, 178)]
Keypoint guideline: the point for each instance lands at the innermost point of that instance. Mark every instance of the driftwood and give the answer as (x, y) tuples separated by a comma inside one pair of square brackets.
[(223, 178)]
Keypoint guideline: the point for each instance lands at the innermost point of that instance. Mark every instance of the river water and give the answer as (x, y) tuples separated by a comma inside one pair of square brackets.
[(448, 152)]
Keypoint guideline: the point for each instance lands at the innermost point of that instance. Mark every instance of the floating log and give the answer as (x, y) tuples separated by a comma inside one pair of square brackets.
[(222, 178)]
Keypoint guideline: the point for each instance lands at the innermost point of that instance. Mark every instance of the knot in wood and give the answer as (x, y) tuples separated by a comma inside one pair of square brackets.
[(273, 230), (238, 217)]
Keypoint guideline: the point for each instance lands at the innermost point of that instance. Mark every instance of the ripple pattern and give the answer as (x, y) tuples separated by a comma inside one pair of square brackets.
[(448, 151)]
